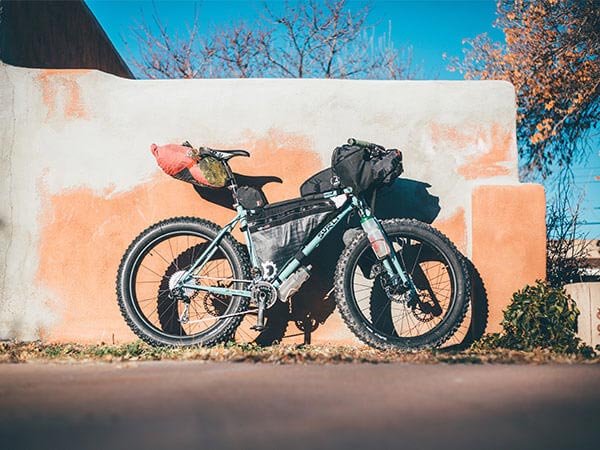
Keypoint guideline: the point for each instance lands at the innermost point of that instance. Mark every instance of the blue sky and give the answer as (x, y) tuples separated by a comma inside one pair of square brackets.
[(431, 27)]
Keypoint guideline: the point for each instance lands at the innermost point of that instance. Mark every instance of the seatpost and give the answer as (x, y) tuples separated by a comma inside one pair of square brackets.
[(232, 183)]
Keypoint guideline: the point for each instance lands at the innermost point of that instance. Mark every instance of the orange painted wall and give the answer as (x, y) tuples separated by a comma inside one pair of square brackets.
[(455, 227), (509, 241)]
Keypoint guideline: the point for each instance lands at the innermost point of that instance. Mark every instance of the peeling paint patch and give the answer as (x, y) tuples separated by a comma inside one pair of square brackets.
[(61, 94), (486, 150), (500, 143), (446, 133)]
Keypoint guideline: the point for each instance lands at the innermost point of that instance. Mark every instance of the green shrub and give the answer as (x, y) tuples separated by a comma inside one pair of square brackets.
[(539, 316)]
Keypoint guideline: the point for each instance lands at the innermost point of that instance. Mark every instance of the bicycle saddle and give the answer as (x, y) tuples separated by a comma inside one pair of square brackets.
[(224, 154)]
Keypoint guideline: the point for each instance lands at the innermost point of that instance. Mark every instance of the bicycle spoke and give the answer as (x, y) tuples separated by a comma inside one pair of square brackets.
[(394, 317), (153, 280)]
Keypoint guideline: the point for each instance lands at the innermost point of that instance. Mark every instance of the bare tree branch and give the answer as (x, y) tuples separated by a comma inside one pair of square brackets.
[(296, 39)]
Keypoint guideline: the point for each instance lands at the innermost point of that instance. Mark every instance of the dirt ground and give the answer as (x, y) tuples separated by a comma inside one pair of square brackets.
[(194, 404)]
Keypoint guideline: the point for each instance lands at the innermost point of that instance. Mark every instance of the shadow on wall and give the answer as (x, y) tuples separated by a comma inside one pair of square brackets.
[(314, 303), (222, 197)]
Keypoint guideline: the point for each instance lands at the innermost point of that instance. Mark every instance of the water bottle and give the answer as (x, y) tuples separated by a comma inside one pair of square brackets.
[(376, 237), (290, 286)]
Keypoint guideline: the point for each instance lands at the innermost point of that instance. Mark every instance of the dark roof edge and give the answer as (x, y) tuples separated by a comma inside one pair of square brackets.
[(101, 28)]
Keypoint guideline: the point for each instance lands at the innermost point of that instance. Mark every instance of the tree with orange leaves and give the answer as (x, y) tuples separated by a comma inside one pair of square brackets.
[(551, 54)]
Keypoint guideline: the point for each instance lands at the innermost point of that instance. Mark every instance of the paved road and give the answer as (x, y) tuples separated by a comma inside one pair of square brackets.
[(192, 405)]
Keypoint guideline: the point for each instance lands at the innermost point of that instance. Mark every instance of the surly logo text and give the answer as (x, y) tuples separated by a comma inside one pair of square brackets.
[(328, 227)]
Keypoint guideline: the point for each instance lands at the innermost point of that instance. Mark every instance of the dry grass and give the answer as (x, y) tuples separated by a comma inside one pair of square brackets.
[(21, 352)]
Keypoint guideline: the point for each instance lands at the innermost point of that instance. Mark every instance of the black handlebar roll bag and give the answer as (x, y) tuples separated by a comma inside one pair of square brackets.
[(362, 168)]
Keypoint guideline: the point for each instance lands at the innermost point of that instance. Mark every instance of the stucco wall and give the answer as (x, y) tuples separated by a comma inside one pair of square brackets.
[(587, 297), (79, 183)]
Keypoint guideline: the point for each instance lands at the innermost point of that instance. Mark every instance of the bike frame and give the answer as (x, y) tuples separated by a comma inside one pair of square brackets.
[(390, 263)]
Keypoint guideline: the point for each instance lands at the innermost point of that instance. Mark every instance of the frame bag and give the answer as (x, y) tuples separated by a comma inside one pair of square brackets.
[(279, 230)]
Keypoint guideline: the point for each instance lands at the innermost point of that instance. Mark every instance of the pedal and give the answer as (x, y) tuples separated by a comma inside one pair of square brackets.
[(258, 327)]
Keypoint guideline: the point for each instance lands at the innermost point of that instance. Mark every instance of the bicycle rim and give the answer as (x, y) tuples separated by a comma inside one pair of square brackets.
[(395, 316), (157, 269)]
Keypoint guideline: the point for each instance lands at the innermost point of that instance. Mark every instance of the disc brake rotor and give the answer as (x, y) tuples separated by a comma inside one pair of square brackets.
[(422, 309), (215, 304)]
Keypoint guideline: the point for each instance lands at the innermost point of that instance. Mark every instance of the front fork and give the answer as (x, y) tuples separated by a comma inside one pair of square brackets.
[(397, 276)]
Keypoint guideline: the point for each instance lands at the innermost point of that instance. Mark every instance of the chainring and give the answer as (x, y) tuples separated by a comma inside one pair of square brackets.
[(263, 290)]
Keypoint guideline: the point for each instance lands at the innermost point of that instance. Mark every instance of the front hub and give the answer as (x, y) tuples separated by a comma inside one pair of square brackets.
[(398, 292)]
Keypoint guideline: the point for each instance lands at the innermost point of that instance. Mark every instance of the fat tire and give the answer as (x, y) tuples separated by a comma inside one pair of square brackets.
[(236, 254), (354, 318)]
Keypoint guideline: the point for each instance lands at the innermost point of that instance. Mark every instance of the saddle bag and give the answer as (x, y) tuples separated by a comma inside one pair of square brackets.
[(363, 168), (279, 230), (186, 164)]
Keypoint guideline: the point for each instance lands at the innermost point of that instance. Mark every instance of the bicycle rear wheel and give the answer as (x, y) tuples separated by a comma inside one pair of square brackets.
[(153, 264)]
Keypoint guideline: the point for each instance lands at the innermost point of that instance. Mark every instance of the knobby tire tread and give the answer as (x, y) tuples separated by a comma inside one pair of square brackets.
[(239, 252), (359, 329)]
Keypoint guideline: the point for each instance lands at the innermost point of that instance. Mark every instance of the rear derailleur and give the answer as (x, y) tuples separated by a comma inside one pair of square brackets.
[(178, 295)]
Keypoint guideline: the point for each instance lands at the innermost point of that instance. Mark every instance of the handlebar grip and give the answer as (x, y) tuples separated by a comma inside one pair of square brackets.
[(353, 141)]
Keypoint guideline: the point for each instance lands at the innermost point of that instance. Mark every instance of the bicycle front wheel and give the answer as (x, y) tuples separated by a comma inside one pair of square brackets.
[(391, 319), (152, 266)]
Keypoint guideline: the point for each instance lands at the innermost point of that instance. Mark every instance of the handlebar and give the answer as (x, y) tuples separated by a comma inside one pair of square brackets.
[(353, 141), (371, 147)]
